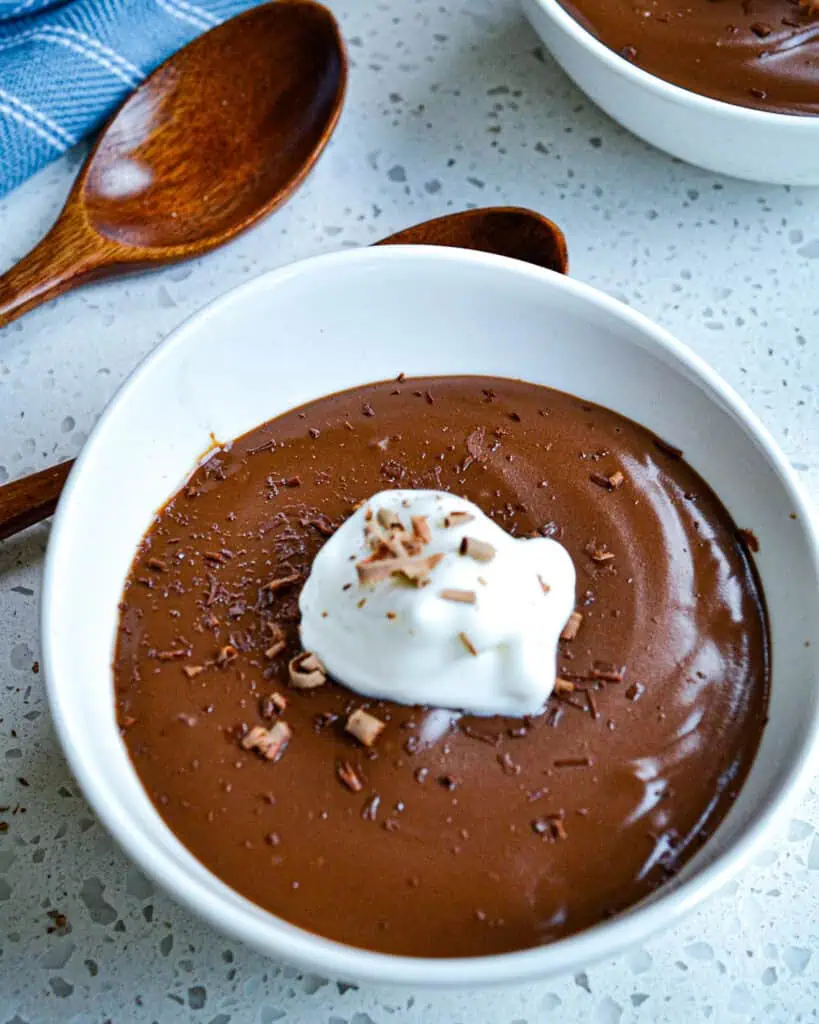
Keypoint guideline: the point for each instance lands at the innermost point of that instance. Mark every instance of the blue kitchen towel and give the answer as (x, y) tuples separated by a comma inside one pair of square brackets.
[(65, 65)]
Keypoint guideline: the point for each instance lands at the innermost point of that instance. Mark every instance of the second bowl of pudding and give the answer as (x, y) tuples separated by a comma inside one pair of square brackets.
[(373, 830), (731, 87)]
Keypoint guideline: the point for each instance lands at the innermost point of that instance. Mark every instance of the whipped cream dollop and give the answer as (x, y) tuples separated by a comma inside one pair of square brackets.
[(420, 598)]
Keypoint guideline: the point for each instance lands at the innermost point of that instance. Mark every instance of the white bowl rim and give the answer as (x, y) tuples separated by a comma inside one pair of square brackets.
[(752, 116), (325, 956)]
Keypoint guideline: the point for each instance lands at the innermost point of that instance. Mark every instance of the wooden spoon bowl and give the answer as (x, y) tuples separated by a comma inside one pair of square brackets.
[(214, 140), (503, 230)]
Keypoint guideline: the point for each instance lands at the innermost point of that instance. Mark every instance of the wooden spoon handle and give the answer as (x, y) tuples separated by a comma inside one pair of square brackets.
[(69, 253), (31, 499)]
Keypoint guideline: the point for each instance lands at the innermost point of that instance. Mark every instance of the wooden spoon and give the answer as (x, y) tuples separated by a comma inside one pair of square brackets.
[(505, 231), (502, 230), (215, 139)]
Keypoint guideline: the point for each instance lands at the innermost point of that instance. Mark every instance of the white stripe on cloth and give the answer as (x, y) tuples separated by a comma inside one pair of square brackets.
[(181, 15), (195, 9), (61, 147), (31, 113), (116, 58), (23, 6), (41, 35), (48, 34)]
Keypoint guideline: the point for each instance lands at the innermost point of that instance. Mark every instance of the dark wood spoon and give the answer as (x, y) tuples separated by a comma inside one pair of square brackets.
[(215, 139), (503, 230)]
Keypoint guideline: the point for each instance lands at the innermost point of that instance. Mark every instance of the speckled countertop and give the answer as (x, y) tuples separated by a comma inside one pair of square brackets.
[(449, 106)]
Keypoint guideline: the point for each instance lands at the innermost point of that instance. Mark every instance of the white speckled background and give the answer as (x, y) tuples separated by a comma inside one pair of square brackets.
[(450, 105)]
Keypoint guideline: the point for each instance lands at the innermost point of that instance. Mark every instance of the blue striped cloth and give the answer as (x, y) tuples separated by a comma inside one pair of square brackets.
[(65, 66)]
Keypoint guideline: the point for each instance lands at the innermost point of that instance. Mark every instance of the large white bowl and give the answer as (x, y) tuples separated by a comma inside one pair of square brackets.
[(358, 316), (759, 145)]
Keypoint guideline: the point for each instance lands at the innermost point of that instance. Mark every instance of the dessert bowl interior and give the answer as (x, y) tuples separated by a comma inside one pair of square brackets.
[(757, 145), (338, 321)]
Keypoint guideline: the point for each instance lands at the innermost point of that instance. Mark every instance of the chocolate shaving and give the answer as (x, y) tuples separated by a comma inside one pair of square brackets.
[(264, 447), (476, 444), (273, 586), (550, 826), (477, 549), (492, 738), (275, 649), (420, 528), (365, 727), (459, 596), (607, 674), (592, 705), (544, 586), (171, 654), (507, 764), (323, 525), (213, 591), (348, 776), (414, 570), (306, 671), (192, 671), (270, 743), (599, 555), (370, 809), (396, 552), (157, 565), (563, 685), (608, 483), (572, 762), (572, 627), (468, 644), (389, 519), (324, 719), (457, 518), (635, 692), (273, 705), (225, 655)]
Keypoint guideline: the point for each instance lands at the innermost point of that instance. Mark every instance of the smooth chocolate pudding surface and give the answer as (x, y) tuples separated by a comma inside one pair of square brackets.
[(504, 833), (756, 53)]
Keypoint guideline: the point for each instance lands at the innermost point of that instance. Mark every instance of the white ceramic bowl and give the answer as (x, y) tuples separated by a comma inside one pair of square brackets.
[(358, 316), (759, 145)]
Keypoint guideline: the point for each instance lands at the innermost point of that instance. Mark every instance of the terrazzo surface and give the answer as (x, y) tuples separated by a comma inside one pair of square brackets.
[(449, 106)]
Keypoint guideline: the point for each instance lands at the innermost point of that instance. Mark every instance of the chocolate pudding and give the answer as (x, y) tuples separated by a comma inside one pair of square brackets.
[(755, 53), (440, 835)]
